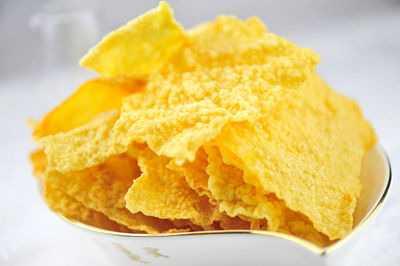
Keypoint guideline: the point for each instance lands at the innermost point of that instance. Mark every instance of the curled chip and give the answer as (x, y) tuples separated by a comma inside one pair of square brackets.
[(138, 48), (59, 201), (308, 152), (103, 188), (93, 97), (265, 211), (223, 127), (82, 147), (235, 197), (188, 109), (217, 44), (195, 173), (39, 163), (164, 193), (236, 223)]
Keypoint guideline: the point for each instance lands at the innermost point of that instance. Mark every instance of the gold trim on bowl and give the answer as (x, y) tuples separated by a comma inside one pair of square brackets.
[(304, 243)]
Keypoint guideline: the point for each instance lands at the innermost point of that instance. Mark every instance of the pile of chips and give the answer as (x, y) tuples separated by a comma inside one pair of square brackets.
[(224, 126)]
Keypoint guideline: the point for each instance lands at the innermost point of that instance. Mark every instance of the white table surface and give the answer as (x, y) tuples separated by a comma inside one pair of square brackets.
[(361, 58)]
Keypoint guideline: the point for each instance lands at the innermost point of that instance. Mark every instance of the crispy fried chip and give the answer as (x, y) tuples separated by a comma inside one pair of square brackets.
[(177, 132), (91, 98), (266, 211), (299, 225), (216, 44), (308, 152), (230, 127), (233, 223), (102, 188), (195, 174), (164, 193), (235, 197), (138, 48), (239, 82), (59, 201), (179, 112), (82, 147), (39, 163)]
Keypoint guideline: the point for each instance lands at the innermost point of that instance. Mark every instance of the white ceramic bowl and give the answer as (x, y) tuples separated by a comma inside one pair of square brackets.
[(246, 247)]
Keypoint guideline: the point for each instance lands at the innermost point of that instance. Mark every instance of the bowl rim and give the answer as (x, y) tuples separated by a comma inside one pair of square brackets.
[(321, 251)]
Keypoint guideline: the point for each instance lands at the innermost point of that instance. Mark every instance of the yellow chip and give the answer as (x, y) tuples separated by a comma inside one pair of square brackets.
[(82, 147), (59, 201), (232, 129), (235, 197), (178, 132), (216, 44), (195, 174), (308, 152), (91, 98), (265, 211), (182, 108), (102, 188), (299, 225), (138, 48), (177, 113), (39, 163), (164, 193), (233, 223)]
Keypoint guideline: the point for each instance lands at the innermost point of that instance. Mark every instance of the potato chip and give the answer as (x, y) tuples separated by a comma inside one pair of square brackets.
[(185, 223), (308, 152), (59, 201), (233, 223), (138, 48), (176, 230), (231, 128), (164, 193), (103, 188), (239, 74), (39, 163), (190, 108), (299, 225), (216, 44), (93, 97), (195, 174), (265, 211), (235, 197), (82, 147), (181, 130)]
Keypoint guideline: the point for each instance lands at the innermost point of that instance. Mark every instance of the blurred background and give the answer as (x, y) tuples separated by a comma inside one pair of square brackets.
[(41, 42)]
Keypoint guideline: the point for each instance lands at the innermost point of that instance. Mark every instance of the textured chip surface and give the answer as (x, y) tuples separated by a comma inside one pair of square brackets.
[(164, 193), (308, 152), (61, 202), (179, 111), (265, 211), (138, 48), (93, 97), (195, 173), (182, 108), (82, 147), (103, 188), (223, 127), (235, 197), (39, 163)]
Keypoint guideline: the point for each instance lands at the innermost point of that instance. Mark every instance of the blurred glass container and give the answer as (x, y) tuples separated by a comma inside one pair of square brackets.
[(66, 30)]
